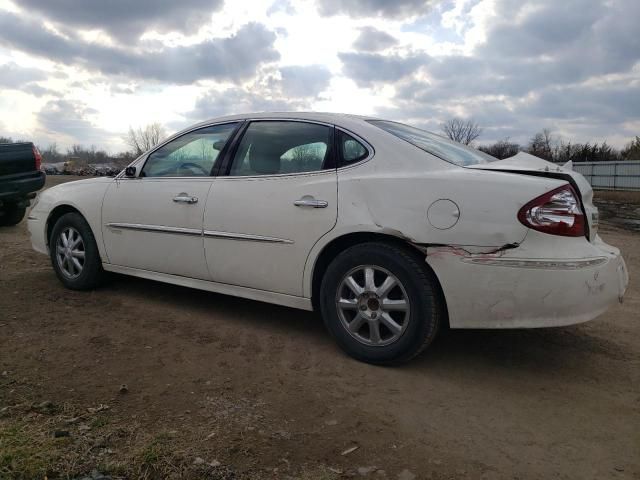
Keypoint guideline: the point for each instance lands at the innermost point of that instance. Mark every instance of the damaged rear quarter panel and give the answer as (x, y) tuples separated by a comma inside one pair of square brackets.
[(398, 202), (391, 194)]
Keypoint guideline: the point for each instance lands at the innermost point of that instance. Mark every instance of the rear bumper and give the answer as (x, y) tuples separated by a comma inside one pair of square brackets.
[(18, 187), (512, 290)]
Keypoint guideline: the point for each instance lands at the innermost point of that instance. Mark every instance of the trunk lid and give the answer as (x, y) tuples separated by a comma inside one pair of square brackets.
[(526, 164)]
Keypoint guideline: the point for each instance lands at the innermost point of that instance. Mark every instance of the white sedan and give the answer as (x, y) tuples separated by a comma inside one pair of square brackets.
[(389, 231)]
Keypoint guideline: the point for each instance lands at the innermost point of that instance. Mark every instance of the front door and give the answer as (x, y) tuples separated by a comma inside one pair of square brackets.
[(154, 220), (278, 199)]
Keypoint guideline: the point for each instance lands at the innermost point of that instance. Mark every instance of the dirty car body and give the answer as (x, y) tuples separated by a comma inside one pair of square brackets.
[(504, 244)]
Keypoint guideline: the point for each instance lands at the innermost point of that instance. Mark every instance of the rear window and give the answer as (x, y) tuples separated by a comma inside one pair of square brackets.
[(441, 147)]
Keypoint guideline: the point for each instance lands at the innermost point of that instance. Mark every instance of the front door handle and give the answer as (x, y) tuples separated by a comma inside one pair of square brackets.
[(309, 201), (185, 198)]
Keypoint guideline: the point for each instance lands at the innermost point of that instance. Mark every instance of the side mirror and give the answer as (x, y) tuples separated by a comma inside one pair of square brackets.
[(130, 172)]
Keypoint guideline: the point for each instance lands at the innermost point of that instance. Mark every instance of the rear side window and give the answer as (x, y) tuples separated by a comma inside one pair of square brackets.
[(351, 150), (281, 147), (441, 147)]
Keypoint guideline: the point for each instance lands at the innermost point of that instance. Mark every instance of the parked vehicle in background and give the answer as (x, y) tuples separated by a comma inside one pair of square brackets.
[(389, 231), (20, 178)]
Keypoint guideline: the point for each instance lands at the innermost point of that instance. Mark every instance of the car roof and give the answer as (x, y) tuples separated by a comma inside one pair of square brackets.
[(328, 117)]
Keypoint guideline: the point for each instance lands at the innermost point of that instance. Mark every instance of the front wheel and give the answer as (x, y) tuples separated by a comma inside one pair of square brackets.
[(74, 253), (381, 304)]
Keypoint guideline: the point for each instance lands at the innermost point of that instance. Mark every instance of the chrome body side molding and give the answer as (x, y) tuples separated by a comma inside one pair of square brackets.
[(245, 236), (550, 264), (196, 232), (155, 228)]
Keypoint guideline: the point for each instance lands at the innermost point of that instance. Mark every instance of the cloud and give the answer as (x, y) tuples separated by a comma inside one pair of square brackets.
[(374, 8), (368, 68), (39, 91), (513, 66), (295, 89), (372, 40), (126, 20), (230, 58), (613, 102), (304, 81), (216, 103), (70, 119), (281, 6), (571, 66), (15, 76)]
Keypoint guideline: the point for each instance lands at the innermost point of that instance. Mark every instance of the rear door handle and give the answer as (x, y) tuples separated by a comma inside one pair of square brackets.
[(309, 201), (185, 198)]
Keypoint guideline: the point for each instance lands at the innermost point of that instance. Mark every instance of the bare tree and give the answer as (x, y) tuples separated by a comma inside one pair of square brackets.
[(143, 138), (501, 149), (461, 131), (542, 145), (631, 150)]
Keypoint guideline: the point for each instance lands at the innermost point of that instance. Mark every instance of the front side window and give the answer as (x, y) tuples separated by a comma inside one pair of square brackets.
[(281, 147), (191, 155), (441, 147)]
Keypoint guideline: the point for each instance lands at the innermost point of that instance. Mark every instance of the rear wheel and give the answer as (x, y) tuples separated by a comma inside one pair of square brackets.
[(381, 303), (74, 253), (11, 214)]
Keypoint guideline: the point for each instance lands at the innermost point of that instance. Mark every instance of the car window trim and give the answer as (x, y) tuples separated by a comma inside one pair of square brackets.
[(225, 166), (329, 163), (182, 134), (368, 147)]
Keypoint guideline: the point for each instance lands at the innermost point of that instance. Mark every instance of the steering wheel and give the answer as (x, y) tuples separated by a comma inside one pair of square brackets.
[(191, 166)]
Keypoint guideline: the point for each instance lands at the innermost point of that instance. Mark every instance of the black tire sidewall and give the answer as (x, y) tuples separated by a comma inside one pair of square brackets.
[(92, 269), (424, 317), (12, 214)]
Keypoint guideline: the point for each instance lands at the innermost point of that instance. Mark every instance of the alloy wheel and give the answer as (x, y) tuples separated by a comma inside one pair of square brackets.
[(70, 252), (373, 305)]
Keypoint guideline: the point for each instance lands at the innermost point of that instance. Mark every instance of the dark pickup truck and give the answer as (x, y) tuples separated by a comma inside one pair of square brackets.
[(20, 178)]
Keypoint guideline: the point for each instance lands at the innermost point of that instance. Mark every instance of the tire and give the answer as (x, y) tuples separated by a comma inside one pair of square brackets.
[(414, 303), (85, 253), (11, 214)]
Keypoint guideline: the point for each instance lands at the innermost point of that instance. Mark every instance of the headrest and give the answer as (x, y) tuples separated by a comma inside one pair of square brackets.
[(264, 160)]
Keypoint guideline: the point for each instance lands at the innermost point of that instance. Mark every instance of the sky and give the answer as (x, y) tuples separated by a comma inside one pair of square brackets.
[(84, 71)]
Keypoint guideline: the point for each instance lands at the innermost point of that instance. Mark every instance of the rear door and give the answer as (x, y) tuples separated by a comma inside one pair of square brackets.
[(275, 199), (154, 221)]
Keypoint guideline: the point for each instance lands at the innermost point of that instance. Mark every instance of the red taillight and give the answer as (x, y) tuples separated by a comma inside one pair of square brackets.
[(556, 212), (38, 157)]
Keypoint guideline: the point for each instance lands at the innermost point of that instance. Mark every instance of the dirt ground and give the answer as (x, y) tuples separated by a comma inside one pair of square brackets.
[(220, 387)]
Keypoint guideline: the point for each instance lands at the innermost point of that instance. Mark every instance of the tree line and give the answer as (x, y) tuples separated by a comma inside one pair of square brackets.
[(89, 155), (138, 140), (543, 144)]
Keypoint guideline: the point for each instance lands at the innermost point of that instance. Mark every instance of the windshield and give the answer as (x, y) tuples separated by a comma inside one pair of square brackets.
[(441, 147)]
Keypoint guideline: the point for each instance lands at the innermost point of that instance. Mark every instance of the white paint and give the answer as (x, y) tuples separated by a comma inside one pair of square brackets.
[(545, 280), (264, 206), (150, 201)]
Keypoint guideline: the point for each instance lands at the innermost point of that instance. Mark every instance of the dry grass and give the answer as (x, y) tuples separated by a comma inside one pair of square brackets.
[(95, 441), (618, 196)]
